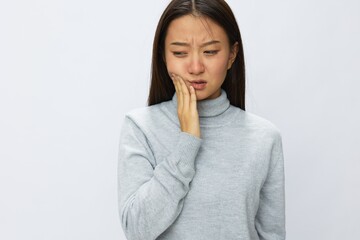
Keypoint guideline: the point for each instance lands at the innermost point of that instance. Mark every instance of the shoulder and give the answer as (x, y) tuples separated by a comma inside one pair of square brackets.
[(257, 124), (143, 114), (145, 117)]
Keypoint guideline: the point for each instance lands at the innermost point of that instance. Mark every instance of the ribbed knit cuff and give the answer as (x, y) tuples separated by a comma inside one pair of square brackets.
[(188, 147)]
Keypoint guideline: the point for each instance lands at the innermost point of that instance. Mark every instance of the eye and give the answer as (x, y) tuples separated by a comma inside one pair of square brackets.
[(179, 54), (211, 52)]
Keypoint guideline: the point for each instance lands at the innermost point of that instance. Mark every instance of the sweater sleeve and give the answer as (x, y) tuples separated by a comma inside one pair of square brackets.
[(151, 197), (270, 218)]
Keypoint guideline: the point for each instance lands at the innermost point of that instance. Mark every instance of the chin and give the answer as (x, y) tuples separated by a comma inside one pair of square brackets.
[(207, 94), (201, 96)]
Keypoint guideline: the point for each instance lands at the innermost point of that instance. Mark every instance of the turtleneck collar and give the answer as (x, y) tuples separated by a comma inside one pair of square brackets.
[(209, 107)]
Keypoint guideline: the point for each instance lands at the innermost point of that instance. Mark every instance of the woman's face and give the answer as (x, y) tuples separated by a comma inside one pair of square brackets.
[(197, 48)]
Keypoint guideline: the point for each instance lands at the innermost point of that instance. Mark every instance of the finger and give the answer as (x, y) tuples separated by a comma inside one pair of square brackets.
[(193, 99), (172, 76), (177, 89), (180, 94), (185, 94)]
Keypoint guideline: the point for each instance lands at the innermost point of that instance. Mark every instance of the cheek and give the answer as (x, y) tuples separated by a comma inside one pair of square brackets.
[(174, 65), (218, 68), (170, 65)]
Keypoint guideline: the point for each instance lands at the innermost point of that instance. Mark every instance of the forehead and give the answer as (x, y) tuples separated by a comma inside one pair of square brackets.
[(191, 28)]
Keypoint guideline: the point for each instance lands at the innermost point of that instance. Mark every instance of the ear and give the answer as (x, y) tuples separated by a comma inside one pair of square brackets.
[(233, 53)]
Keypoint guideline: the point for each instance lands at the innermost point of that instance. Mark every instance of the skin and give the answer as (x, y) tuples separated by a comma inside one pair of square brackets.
[(196, 48)]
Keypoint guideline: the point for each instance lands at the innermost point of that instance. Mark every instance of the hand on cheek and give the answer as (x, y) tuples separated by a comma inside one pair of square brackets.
[(187, 106)]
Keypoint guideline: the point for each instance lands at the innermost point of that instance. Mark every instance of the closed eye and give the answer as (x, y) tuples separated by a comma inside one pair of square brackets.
[(179, 54), (211, 52)]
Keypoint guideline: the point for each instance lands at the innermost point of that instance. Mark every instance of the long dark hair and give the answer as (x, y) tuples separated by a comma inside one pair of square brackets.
[(161, 86)]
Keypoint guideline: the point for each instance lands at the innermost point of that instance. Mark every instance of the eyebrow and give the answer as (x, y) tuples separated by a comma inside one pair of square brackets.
[(187, 44)]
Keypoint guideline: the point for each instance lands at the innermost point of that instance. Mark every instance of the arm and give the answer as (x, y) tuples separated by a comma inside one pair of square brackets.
[(270, 218), (150, 199)]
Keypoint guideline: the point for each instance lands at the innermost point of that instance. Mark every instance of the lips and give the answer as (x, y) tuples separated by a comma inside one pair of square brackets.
[(198, 84), (198, 81)]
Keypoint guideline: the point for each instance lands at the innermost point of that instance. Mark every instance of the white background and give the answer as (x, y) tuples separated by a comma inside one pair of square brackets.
[(69, 70)]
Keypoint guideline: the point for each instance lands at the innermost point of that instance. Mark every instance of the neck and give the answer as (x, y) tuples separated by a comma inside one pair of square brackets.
[(210, 107)]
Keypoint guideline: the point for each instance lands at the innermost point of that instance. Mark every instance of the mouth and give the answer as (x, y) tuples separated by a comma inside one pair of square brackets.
[(198, 84), (198, 81)]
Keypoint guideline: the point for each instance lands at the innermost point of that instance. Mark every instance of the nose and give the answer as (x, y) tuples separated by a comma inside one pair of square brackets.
[(196, 65)]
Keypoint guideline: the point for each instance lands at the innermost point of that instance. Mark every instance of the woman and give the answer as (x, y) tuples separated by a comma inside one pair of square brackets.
[(194, 164)]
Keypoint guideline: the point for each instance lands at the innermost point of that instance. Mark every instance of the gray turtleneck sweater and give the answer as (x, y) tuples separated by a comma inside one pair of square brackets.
[(228, 184)]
